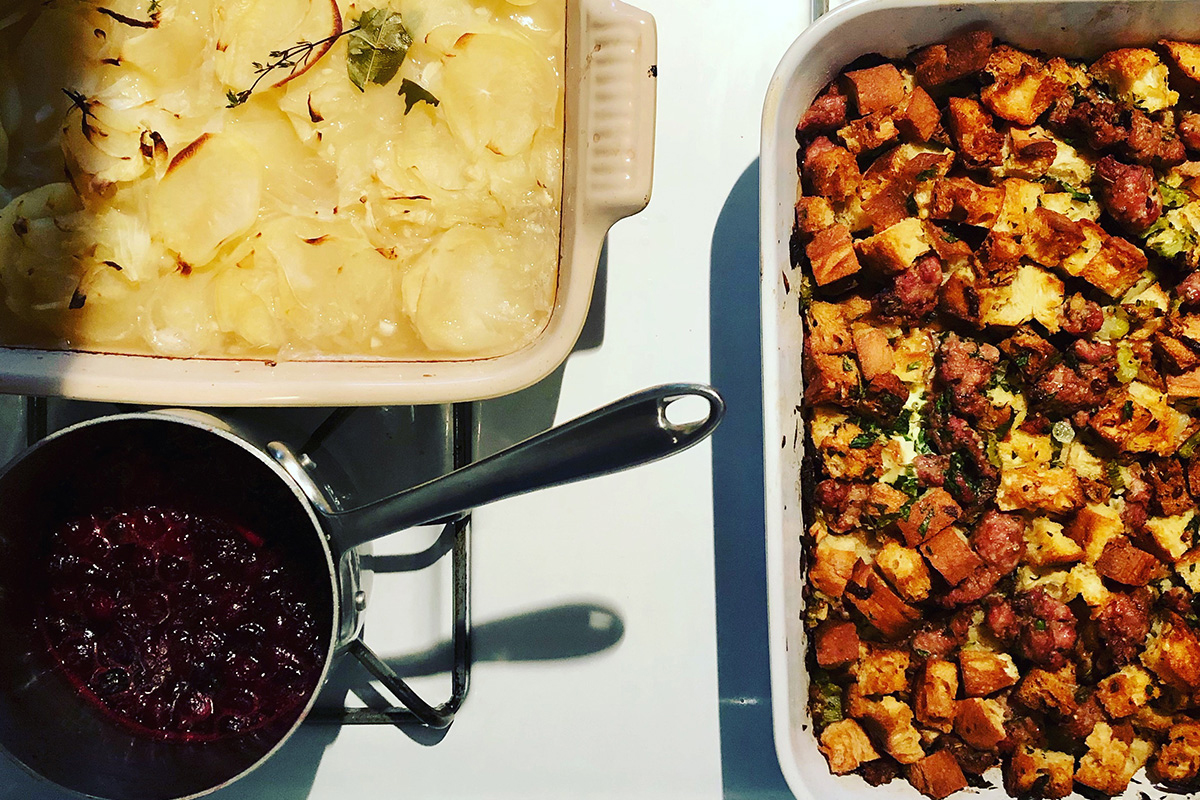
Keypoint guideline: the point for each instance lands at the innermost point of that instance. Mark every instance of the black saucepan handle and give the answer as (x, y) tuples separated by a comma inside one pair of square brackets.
[(621, 435)]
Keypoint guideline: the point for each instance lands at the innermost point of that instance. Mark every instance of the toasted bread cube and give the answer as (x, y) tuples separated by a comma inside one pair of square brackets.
[(1084, 581), (831, 171), (882, 671), (1031, 154), (979, 722), (905, 570), (895, 249), (937, 775), (889, 722), (1177, 352), (834, 436), (876, 89), (846, 746), (1049, 691), (1139, 420), (1051, 237), (1124, 692), (1044, 773), (833, 563), (882, 607), (1178, 760), (837, 644), (935, 694), (829, 328), (813, 215), (963, 200), (831, 253), (875, 356), (870, 132), (1188, 569), (1110, 763), (1172, 534), (985, 672), (956, 58), (1094, 527), (1185, 55), (930, 514), (950, 554), (1047, 545), (1173, 654), (1021, 88), (974, 132), (1033, 294), (921, 118), (1136, 76), (1020, 202), (1124, 563)]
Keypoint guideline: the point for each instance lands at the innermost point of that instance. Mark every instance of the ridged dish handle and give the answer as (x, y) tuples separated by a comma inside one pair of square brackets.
[(617, 100)]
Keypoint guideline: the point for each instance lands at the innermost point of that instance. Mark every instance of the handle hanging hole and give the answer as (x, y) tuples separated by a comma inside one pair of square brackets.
[(686, 413)]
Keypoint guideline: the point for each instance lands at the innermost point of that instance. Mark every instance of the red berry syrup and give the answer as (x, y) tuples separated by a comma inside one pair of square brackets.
[(180, 626)]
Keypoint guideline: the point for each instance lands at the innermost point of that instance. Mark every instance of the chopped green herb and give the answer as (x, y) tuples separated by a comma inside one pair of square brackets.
[(1021, 360), (1076, 194), (907, 483), (948, 237), (863, 441), (1040, 624), (926, 174), (414, 93), (910, 205), (1127, 411)]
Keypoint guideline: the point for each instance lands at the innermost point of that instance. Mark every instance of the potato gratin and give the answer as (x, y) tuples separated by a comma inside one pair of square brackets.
[(999, 257), (280, 178)]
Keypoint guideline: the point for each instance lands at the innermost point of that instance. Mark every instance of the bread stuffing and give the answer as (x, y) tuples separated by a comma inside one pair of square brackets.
[(998, 255)]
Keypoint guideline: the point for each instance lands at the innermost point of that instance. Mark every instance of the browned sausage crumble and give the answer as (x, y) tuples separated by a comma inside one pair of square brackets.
[(999, 253)]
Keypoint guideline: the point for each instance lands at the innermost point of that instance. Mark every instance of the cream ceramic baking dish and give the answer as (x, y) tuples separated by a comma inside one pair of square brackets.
[(1082, 28), (607, 161)]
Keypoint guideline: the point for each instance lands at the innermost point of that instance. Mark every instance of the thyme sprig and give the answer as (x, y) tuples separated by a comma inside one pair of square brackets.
[(293, 58), (81, 101)]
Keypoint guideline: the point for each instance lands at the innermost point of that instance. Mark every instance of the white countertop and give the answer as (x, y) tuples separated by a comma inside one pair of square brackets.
[(642, 718)]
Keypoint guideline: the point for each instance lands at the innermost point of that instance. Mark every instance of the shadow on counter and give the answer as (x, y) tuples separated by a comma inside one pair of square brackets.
[(749, 765)]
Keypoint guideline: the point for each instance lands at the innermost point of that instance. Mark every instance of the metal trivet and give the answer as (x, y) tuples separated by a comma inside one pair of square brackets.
[(453, 540)]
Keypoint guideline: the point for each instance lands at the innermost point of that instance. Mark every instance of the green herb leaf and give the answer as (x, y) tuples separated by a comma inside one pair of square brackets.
[(377, 49), (414, 93), (907, 483), (863, 441), (1076, 194), (926, 174), (1040, 624)]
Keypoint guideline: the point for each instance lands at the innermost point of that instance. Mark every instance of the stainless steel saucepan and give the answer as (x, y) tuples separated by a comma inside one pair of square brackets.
[(187, 459)]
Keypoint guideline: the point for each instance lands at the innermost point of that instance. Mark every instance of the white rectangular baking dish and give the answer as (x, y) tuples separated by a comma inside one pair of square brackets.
[(610, 82), (1083, 28)]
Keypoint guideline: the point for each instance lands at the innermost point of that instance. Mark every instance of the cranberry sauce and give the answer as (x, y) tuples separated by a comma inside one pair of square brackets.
[(180, 626)]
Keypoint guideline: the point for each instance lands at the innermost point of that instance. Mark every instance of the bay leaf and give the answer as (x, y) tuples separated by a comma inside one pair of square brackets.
[(377, 49)]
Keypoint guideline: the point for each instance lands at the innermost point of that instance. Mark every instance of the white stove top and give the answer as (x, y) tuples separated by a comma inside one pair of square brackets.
[(624, 565)]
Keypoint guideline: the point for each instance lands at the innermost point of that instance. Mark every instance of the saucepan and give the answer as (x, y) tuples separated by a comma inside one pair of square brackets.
[(187, 459)]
